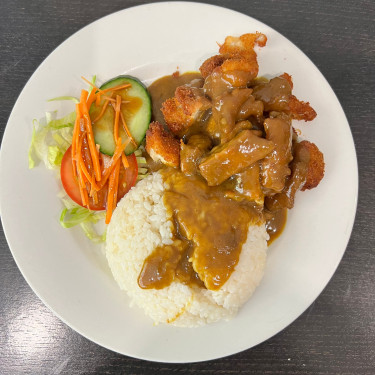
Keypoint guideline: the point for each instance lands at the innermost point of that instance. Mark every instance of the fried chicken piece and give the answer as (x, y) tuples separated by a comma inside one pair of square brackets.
[(243, 45), (184, 108), (275, 166), (162, 145), (245, 69), (277, 96), (288, 77), (210, 64), (174, 116), (237, 56), (192, 100), (315, 171), (307, 171), (301, 110)]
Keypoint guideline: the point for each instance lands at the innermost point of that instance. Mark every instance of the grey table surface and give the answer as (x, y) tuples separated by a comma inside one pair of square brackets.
[(336, 334)]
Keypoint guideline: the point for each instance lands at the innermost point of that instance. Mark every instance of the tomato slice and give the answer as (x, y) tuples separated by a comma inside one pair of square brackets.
[(127, 179)]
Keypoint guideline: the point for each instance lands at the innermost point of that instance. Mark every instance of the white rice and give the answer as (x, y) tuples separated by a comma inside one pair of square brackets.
[(138, 225)]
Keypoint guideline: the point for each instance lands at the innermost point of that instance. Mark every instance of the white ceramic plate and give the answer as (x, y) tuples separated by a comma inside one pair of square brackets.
[(68, 273)]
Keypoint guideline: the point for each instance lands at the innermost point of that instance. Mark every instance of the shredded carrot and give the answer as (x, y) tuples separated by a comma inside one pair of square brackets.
[(109, 98), (95, 196), (117, 176), (116, 156), (82, 189), (98, 99), (124, 159), (76, 132), (91, 84), (82, 164), (81, 182), (91, 141), (86, 188), (117, 117), (93, 191), (127, 130), (84, 95), (91, 99), (119, 87), (86, 173), (102, 111), (112, 191)]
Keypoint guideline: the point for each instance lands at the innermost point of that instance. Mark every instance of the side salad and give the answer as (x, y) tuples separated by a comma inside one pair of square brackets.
[(97, 149)]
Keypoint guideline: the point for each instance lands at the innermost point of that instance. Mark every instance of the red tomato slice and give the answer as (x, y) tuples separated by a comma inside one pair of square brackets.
[(127, 179)]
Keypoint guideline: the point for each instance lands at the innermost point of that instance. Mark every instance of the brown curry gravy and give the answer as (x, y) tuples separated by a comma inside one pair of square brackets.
[(164, 88), (209, 228)]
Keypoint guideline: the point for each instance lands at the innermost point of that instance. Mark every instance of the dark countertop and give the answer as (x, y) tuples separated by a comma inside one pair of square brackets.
[(336, 335)]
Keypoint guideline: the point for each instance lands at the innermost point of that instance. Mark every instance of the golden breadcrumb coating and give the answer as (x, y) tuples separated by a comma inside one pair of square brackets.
[(175, 117), (243, 45), (236, 54), (315, 171), (301, 110), (288, 77), (183, 109), (191, 100), (210, 64), (162, 145)]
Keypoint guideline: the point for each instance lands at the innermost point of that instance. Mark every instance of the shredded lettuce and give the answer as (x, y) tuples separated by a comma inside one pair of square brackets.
[(31, 148), (141, 160), (54, 155), (50, 139), (64, 122), (142, 170), (72, 98), (73, 215)]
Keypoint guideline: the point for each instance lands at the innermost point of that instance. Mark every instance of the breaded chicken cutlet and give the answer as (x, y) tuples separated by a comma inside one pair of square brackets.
[(162, 146), (184, 108)]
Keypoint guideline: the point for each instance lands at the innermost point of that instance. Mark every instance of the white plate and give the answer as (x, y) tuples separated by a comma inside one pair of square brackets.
[(66, 271)]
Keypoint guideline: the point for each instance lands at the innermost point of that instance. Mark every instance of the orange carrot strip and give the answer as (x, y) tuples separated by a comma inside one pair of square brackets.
[(117, 176), (102, 111), (124, 159), (116, 156), (93, 191), (117, 117), (76, 131), (91, 99), (112, 191), (109, 98), (81, 182), (91, 84), (127, 130), (91, 141), (82, 189), (95, 196), (86, 173), (98, 99), (84, 95), (119, 87)]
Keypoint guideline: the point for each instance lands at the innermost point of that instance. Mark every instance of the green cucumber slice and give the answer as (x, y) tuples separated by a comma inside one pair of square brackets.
[(136, 112)]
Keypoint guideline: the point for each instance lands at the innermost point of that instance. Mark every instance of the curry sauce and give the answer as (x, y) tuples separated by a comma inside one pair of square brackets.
[(208, 234), (238, 156)]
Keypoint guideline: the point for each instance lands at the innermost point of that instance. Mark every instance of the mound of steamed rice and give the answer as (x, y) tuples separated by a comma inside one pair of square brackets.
[(138, 225)]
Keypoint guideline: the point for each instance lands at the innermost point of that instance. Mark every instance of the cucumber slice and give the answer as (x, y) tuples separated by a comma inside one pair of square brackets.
[(136, 112)]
